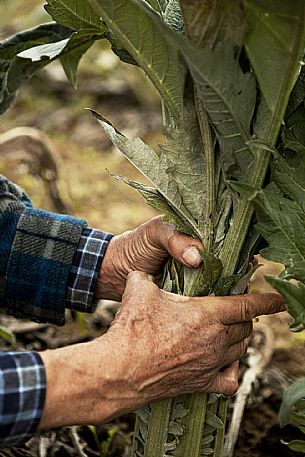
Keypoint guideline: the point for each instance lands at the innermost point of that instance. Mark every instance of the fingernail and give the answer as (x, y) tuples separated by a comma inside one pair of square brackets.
[(192, 257)]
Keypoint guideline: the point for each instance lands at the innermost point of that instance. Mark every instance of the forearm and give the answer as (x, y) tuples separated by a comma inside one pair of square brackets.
[(85, 385)]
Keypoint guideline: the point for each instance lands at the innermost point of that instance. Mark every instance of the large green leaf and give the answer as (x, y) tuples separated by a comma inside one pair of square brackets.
[(210, 21), (290, 180), (282, 223), (275, 46), (142, 38), (23, 65), (76, 14), (291, 396), (9, 48), (295, 299), (186, 161), (155, 167), (156, 200), (228, 94)]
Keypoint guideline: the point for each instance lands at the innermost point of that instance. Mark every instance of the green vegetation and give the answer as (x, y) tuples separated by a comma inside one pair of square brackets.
[(231, 81)]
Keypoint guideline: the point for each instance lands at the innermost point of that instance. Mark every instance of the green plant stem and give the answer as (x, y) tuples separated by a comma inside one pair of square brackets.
[(208, 150), (158, 429), (220, 434), (242, 218), (190, 441)]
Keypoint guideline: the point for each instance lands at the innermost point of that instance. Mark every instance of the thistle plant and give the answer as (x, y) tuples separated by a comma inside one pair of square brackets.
[(230, 77)]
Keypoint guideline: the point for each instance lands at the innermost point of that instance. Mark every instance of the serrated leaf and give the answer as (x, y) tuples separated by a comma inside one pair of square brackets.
[(210, 21), (157, 201), (175, 428), (282, 223), (213, 421), (153, 166), (228, 94), (297, 446), (294, 295), (294, 393), (179, 412), (275, 45), (186, 161), (129, 20), (289, 180), (75, 14)]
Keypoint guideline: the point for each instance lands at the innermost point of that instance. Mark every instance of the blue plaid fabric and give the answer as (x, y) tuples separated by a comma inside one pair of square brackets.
[(22, 395), (36, 253), (47, 262), (85, 269)]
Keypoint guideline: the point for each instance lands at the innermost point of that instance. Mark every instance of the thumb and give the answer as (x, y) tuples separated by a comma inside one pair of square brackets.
[(226, 381), (180, 246), (137, 281)]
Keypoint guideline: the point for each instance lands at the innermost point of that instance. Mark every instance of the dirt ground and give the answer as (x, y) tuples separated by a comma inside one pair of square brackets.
[(84, 156)]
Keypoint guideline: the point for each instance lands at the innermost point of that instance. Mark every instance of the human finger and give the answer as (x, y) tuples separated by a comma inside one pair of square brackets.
[(136, 282), (236, 351), (241, 308), (180, 246), (226, 381), (240, 331)]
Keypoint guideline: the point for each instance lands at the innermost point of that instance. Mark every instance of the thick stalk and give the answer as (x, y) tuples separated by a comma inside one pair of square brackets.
[(220, 434), (190, 441), (208, 150), (158, 429), (242, 218)]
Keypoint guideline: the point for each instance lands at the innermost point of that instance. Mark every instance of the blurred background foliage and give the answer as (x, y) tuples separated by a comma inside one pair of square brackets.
[(83, 153)]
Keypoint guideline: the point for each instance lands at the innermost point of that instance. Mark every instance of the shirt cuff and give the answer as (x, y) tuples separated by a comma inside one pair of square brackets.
[(85, 269), (22, 396)]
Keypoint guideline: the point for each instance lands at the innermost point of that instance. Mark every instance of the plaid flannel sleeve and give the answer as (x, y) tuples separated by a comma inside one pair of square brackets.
[(22, 396), (36, 252), (85, 269)]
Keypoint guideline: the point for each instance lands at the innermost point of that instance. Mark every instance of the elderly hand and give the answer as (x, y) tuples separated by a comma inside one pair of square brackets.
[(160, 345), (144, 249)]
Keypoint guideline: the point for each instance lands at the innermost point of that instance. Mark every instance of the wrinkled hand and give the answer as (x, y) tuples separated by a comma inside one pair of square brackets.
[(170, 344), (144, 249), (160, 345)]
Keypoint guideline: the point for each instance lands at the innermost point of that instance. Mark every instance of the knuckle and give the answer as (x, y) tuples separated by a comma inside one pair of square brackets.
[(246, 311), (232, 387)]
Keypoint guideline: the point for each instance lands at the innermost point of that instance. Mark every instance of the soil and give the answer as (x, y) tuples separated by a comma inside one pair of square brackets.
[(83, 154)]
